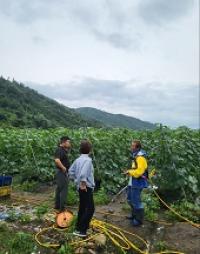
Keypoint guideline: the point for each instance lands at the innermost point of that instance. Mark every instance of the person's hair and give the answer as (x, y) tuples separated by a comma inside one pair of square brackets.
[(85, 147), (138, 144), (64, 139)]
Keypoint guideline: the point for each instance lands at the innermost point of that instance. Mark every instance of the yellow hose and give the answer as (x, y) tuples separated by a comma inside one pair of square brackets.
[(116, 235), (172, 210), (46, 245)]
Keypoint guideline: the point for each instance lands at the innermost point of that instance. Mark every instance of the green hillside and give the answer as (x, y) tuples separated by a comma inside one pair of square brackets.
[(21, 106), (114, 120)]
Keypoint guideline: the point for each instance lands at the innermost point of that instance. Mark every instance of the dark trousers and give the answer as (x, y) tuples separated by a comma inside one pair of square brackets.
[(86, 209), (61, 190)]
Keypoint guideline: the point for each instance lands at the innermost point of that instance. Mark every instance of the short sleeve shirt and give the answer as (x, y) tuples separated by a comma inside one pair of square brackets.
[(61, 154)]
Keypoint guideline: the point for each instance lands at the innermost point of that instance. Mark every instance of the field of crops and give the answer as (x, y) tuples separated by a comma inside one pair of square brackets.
[(28, 154)]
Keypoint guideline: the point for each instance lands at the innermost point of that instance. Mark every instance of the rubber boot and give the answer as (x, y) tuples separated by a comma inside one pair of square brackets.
[(131, 216), (139, 217)]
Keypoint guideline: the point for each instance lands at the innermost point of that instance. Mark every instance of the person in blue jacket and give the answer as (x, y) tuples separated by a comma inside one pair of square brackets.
[(138, 176), (82, 172)]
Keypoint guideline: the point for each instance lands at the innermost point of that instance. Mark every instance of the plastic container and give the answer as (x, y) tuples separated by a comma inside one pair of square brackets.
[(5, 181), (5, 191)]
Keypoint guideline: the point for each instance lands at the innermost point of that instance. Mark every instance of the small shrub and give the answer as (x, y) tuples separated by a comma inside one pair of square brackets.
[(160, 246), (22, 243), (29, 186), (72, 196), (151, 205), (101, 197), (25, 218), (151, 215), (40, 211), (186, 209), (150, 201), (65, 249), (13, 216)]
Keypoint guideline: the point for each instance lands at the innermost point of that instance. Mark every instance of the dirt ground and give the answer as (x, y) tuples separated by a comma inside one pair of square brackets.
[(179, 236)]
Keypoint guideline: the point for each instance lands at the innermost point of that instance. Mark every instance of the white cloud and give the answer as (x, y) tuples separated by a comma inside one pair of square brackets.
[(153, 102), (47, 41)]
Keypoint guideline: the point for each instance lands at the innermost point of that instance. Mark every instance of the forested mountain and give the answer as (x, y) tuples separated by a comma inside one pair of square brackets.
[(21, 106), (114, 120)]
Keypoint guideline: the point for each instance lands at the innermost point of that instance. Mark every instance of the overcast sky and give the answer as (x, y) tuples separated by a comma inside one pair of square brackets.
[(136, 57)]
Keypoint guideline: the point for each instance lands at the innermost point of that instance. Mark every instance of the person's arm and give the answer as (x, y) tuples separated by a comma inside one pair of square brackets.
[(60, 165), (141, 167), (58, 161)]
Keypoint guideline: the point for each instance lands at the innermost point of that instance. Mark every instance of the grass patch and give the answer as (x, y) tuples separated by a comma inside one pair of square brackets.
[(6, 236), (22, 218), (25, 218), (160, 246), (29, 186), (15, 243), (72, 196), (101, 197), (13, 216), (22, 243), (65, 249), (151, 206), (186, 209), (40, 211)]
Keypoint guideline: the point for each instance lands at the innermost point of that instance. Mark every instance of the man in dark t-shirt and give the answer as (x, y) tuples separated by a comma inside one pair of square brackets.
[(62, 166)]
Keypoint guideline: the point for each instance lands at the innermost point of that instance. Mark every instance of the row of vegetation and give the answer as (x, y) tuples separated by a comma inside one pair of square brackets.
[(28, 154)]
